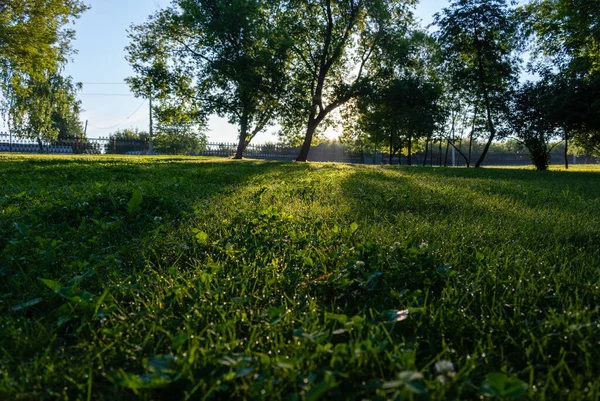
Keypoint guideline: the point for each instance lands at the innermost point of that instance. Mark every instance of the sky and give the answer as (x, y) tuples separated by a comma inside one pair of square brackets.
[(101, 66)]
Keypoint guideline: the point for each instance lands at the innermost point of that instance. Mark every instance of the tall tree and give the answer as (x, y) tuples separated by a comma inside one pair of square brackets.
[(401, 113), (45, 109), (218, 56), (34, 45), (333, 40), (566, 50), (531, 119), (479, 42)]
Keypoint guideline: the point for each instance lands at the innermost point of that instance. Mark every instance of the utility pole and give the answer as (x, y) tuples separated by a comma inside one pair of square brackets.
[(85, 129), (151, 133)]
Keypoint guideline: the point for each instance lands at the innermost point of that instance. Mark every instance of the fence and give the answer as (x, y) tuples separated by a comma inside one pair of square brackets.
[(269, 151), (325, 152), (10, 143)]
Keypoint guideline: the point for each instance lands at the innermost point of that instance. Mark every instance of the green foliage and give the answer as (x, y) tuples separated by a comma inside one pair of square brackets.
[(34, 45), (501, 386), (134, 204), (223, 57), (402, 102), (46, 109), (566, 51), (281, 280), (566, 34), (178, 139), (404, 111), (127, 140), (332, 44), (531, 120), (479, 40)]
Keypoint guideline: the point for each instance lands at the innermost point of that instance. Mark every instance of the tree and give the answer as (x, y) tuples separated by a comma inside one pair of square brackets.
[(34, 45), (127, 140), (333, 40), (179, 139), (46, 109), (65, 119), (478, 39), (566, 36), (401, 113), (531, 120), (401, 102), (214, 56)]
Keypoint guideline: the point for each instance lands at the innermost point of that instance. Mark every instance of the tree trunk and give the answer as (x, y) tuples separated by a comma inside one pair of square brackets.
[(488, 107), (310, 132), (446, 156), (409, 159), (566, 150), (391, 148), (426, 151), (491, 127), (431, 153), (362, 153), (471, 137), (375, 150), (40, 144), (239, 154)]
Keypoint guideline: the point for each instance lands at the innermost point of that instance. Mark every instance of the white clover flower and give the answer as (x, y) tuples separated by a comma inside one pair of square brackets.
[(423, 245), (444, 366)]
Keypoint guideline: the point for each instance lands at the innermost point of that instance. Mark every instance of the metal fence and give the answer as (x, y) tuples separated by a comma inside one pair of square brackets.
[(11, 143), (270, 151), (325, 152)]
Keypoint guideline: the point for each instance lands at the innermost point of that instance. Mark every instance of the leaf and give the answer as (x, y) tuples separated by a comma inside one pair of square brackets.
[(338, 317), (319, 391), (500, 385), (70, 293), (409, 380), (134, 204), (76, 280), (135, 382), (179, 340), (53, 285), (162, 364), (446, 271), (353, 228), (391, 316), (202, 238), (25, 305)]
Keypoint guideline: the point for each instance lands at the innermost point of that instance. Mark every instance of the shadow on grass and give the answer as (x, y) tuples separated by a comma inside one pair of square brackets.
[(64, 216), (536, 210)]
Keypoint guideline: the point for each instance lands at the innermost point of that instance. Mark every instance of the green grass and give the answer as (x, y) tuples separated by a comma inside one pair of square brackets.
[(185, 278)]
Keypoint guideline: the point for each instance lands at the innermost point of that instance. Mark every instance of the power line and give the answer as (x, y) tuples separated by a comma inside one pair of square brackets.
[(124, 121), (104, 83), (106, 94)]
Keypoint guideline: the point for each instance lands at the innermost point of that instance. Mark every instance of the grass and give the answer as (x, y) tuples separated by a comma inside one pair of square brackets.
[(184, 278)]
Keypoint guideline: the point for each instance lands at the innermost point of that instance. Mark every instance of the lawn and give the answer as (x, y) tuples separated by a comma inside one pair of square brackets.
[(158, 278)]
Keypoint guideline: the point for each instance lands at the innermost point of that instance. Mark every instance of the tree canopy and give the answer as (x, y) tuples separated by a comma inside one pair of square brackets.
[(214, 56), (34, 46), (479, 41), (333, 42)]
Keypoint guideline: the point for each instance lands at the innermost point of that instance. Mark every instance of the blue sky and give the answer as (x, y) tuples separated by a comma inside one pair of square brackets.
[(101, 66)]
